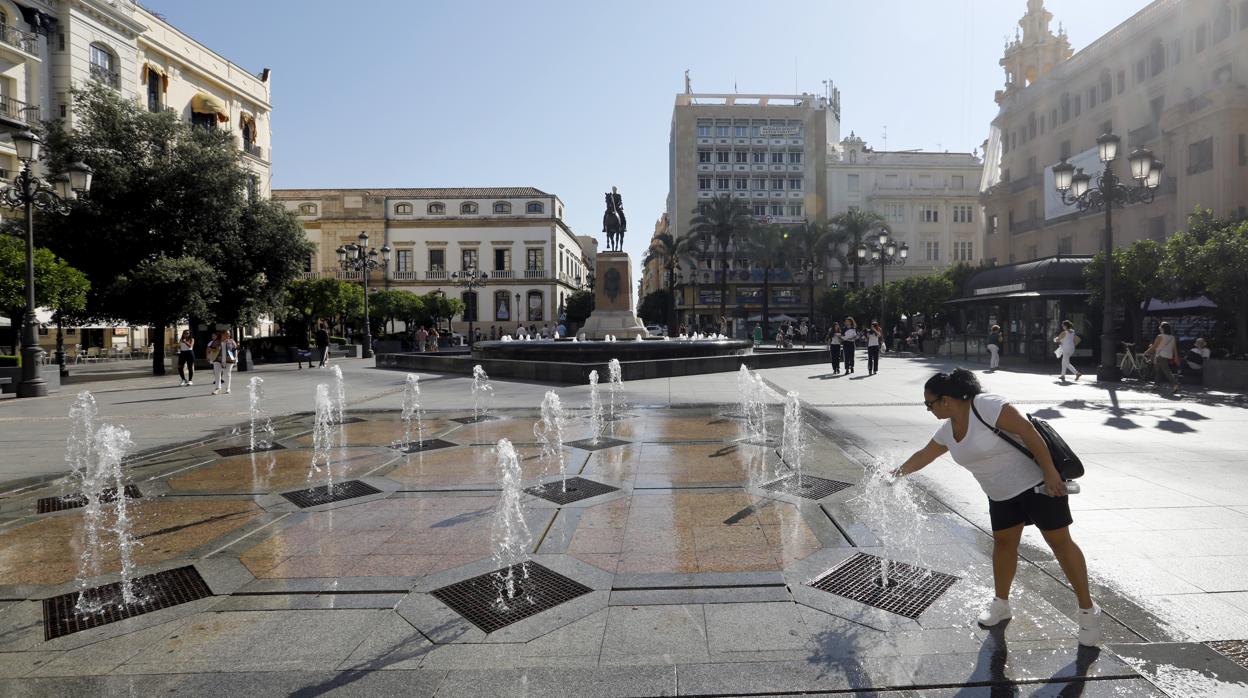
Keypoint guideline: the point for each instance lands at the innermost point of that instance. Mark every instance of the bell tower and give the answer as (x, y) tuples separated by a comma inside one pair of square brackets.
[(1032, 55)]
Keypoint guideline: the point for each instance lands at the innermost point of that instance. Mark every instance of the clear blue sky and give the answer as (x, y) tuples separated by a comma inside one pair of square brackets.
[(402, 93)]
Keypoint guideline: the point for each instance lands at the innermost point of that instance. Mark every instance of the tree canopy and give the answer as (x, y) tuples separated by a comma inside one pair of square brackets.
[(58, 286), (1211, 258), (1135, 281)]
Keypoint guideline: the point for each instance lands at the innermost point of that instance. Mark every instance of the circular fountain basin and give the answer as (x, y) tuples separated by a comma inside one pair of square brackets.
[(595, 351)]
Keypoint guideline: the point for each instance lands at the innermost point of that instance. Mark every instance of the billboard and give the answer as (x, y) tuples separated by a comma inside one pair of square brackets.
[(1053, 206)]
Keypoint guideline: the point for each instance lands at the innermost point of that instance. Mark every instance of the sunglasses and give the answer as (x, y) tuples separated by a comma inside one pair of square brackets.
[(928, 403)]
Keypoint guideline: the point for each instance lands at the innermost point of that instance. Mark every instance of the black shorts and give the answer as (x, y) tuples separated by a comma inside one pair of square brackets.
[(1031, 508)]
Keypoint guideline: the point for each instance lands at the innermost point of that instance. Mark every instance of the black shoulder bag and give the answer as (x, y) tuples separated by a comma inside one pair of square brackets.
[(1064, 459)]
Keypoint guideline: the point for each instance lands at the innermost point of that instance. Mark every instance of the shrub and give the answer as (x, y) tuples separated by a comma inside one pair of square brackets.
[(9, 360)]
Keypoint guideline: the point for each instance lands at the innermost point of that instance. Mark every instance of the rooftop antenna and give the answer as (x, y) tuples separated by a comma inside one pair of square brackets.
[(886, 138), (688, 84)]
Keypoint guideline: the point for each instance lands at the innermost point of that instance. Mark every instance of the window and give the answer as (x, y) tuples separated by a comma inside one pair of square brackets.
[(722, 156), (155, 90), (1156, 58), (502, 207), (704, 183), (1065, 245), (403, 260), (502, 305), (851, 182), (894, 213), (777, 184), (436, 208), (723, 130), (534, 207), (1092, 97), (1122, 81), (1065, 106), (777, 158), (536, 306), (777, 210), (959, 181), (470, 305), (704, 130), (204, 121), (704, 156), (502, 259), (1078, 105), (1063, 150), (307, 264), (963, 250), (931, 250), (741, 184), (1222, 22), (992, 228), (760, 157), (795, 210), (1107, 87), (741, 130), (437, 260), (1141, 70), (403, 209), (468, 207), (760, 184), (795, 158), (103, 66), (891, 181), (535, 259), (760, 210), (795, 184), (722, 183), (307, 209), (963, 213), (1200, 156), (1157, 228), (929, 213), (468, 260), (741, 156), (1031, 165)]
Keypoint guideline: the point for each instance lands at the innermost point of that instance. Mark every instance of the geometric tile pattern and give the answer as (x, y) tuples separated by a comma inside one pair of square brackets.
[(909, 592), (153, 592), (808, 487), (1234, 650), (574, 489), (475, 599)]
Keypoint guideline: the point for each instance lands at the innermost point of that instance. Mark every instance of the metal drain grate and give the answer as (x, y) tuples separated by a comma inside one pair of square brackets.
[(352, 420), (1234, 650), (327, 494), (421, 446), (474, 598), (48, 505), (244, 450), (154, 592), (578, 488), (597, 444), (810, 487), (910, 590), (475, 420)]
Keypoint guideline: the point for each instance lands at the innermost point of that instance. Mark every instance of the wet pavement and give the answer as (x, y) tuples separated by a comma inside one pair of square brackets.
[(697, 577)]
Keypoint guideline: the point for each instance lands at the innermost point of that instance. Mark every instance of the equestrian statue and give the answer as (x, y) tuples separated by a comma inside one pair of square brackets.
[(614, 224)]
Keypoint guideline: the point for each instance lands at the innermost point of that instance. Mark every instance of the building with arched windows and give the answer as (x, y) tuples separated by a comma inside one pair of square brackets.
[(516, 235)]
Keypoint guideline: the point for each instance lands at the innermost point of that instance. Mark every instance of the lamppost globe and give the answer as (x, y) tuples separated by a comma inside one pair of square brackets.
[(27, 145), (862, 251), (883, 236), (1154, 175), (60, 184), (904, 251), (80, 175), (1080, 183), (1062, 174), (1141, 161), (1107, 147)]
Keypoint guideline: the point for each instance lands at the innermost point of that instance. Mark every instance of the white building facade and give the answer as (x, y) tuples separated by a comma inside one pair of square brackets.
[(515, 235), (930, 201)]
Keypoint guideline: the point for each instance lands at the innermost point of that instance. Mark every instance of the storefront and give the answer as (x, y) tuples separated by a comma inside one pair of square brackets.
[(1029, 301)]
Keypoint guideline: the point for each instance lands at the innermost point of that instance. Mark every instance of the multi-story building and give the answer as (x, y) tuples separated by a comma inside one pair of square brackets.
[(653, 275), (930, 201), (48, 47), (1172, 78), (769, 151), (516, 235)]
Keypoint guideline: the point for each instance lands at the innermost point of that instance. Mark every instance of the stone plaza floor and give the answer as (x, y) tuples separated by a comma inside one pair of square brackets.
[(693, 573)]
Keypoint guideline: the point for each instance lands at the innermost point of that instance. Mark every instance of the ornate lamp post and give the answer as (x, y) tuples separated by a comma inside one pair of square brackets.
[(884, 253), (470, 280), (54, 196), (362, 258), (1076, 189)]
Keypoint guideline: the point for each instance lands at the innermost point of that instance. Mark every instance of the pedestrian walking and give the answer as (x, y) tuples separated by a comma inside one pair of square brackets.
[(834, 347), (1010, 479), (849, 335), (802, 331), (434, 336), (322, 343), (562, 329), (186, 358), (1165, 352), (422, 338), (1066, 341), (521, 332), (758, 334), (994, 347), (223, 353), (873, 350)]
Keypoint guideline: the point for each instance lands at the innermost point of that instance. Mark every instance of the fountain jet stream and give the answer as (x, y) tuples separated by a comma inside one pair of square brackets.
[(595, 408), (259, 420), (615, 386), (322, 435), (340, 396), (108, 448), (482, 392), (78, 445), (793, 441), (549, 432), (510, 533), (412, 412), (894, 513)]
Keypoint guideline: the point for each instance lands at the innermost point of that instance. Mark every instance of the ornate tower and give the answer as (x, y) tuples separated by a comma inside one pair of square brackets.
[(1035, 53)]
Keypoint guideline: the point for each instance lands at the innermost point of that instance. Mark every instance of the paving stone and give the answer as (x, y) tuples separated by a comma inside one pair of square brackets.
[(755, 626), (604, 682), (665, 633)]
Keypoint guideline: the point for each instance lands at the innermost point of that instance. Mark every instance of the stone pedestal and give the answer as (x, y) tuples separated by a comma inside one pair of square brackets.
[(613, 299)]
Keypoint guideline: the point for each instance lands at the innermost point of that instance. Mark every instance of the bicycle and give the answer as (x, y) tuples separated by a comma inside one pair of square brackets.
[(1135, 365)]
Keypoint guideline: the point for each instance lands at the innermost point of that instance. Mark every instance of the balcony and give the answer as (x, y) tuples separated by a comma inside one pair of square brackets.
[(23, 41), (535, 274), (348, 275), (18, 113), (502, 274), (309, 274), (254, 150), (436, 275), (108, 77), (406, 276)]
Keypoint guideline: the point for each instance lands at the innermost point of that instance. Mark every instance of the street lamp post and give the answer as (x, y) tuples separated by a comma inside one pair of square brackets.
[(29, 192), (362, 258), (1076, 189), (470, 280), (885, 252)]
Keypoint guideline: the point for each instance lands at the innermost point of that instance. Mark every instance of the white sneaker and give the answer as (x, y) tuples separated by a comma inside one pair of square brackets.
[(182, 383), (1090, 626), (217, 391), (190, 382), (227, 391), (997, 611)]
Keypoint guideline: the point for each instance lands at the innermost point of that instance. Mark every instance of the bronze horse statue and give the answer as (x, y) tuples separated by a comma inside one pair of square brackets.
[(614, 224)]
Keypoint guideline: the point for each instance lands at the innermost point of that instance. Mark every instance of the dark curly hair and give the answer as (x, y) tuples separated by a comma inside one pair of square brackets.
[(961, 384)]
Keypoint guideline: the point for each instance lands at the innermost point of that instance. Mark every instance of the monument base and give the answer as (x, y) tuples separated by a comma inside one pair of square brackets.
[(613, 299)]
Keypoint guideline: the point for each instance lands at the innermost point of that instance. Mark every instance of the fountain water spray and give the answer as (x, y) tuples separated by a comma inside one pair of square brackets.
[(894, 514), (793, 441), (340, 395), (482, 391), (412, 412), (615, 375), (78, 444), (260, 423), (595, 408), (108, 448), (322, 435), (510, 533), (549, 432), (753, 393)]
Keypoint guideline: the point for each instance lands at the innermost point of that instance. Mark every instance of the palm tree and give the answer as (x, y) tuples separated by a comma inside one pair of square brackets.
[(664, 248), (854, 226), (768, 247), (812, 242), (725, 221)]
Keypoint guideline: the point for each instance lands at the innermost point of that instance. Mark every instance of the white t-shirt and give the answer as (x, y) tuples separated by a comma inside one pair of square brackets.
[(1002, 470), (850, 334), (1166, 350), (873, 340)]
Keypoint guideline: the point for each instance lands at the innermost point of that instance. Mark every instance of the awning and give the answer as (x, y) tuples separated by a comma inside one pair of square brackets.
[(153, 68), (1023, 294), (1161, 307), (204, 103), (243, 120)]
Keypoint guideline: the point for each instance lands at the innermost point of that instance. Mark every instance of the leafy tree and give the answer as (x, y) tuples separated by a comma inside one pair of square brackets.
[(724, 221), (767, 246), (161, 291), (58, 286), (832, 305), (665, 249), (1216, 266), (654, 307), (1135, 280), (306, 300), (961, 272), (851, 229), (438, 306), (578, 307), (926, 295), (384, 307)]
